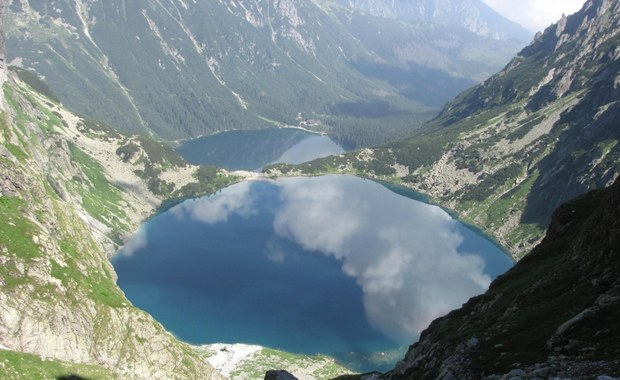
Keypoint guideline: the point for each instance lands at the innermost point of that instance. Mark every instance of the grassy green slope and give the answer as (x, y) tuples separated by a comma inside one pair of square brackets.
[(18, 365)]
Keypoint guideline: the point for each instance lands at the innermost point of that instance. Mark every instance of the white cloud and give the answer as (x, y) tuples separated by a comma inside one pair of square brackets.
[(219, 207), (408, 274), (309, 149), (535, 15)]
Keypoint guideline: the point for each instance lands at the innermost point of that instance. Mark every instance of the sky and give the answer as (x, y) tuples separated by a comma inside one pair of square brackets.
[(535, 15)]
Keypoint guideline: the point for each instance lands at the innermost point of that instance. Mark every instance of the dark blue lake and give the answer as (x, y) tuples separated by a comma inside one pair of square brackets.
[(335, 265), (252, 150)]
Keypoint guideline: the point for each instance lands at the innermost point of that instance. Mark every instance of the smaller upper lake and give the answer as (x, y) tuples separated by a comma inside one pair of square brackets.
[(252, 150)]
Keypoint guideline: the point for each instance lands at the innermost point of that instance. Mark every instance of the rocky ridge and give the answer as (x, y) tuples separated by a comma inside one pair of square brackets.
[(474, 16)]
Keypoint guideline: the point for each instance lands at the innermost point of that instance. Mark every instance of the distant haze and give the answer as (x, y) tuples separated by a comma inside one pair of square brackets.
[(535, 15)]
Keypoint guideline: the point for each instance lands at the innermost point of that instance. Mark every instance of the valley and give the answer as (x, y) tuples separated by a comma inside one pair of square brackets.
[(78, 183), (233, 65)]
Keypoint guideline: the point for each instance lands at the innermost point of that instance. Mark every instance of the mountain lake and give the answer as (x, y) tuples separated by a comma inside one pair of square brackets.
[(254, 149), (335, 265)]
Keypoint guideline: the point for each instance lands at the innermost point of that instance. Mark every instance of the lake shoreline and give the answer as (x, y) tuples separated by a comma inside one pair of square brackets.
[(279, 235)]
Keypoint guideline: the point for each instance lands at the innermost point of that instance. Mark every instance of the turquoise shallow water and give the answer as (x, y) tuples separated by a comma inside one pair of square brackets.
[(335, 265)]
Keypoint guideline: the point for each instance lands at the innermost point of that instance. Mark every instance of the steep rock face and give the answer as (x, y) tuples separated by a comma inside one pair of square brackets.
[(570, 55), (553, 111), (58, 295), (3, 64), (473, 15), (555, 314)]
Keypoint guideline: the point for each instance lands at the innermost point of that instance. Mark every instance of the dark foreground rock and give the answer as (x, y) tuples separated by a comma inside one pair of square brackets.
[(279, 375)]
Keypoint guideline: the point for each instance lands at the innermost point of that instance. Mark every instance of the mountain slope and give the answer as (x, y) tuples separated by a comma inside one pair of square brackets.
[(3, 58), (473, 15), (555, 314), (66, 200), (429, 60), (505, 153), (553, 111), (181, 69)]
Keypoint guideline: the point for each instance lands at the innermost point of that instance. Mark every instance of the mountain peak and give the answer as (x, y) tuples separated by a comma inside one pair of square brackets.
[(596, 16)]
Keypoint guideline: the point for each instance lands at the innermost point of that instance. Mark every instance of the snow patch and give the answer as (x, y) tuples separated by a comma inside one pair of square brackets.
[(227, 357)]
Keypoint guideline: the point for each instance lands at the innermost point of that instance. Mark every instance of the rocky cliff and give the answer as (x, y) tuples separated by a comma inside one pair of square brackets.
[(67, 196), (3, 63)]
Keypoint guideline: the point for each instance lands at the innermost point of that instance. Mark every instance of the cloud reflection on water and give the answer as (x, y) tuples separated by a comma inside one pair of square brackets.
[(237, 199), (137, 242), (402, 253)]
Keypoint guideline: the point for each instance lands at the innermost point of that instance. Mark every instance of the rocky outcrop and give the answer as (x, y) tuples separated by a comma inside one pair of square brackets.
[(555, 314), (3, 63), (279, 375), (474, 16)]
